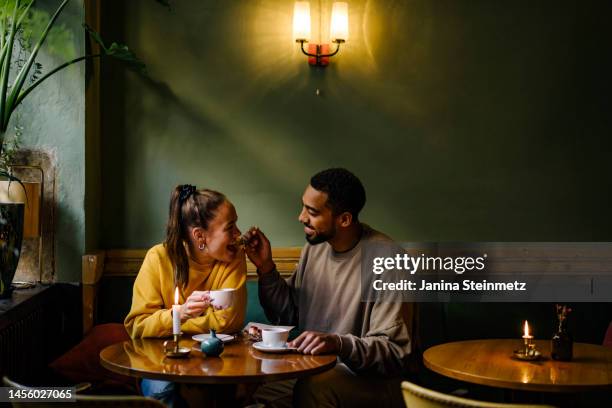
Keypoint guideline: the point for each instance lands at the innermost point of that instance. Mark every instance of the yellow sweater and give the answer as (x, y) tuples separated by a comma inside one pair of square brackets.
[(151, 313)]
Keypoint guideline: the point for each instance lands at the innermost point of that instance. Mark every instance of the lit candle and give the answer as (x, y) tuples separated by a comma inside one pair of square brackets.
[(526, 334), (527, 340), (176, 314)]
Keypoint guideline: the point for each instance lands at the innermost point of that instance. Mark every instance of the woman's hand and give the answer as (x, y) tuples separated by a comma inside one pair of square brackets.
[(259, 251), (195, 304)]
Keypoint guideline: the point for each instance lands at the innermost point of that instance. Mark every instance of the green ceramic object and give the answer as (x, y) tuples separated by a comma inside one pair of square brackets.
[(212, 346)]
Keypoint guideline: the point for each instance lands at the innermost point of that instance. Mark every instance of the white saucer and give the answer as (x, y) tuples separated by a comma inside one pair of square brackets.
[(226, 338), (267, 349)]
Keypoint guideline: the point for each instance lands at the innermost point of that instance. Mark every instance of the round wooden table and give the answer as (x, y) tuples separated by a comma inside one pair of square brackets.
[(490, 362), (240, 363)]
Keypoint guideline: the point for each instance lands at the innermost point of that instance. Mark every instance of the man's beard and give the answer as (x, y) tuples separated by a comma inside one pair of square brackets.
[(320, 237)]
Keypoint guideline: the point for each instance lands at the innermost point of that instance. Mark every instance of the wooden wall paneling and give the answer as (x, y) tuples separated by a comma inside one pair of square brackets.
[(93, 268)]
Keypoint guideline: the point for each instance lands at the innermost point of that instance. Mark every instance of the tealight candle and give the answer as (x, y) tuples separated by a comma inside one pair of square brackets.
[(176, 314)]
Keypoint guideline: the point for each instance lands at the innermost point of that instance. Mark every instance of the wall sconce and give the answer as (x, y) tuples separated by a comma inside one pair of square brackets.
[(319, 53)]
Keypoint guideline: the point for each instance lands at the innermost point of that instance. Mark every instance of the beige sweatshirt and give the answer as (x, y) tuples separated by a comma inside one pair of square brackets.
[(323, 294)]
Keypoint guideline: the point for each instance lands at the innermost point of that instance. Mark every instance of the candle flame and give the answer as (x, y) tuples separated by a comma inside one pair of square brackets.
[(176, 296), (526, 329)]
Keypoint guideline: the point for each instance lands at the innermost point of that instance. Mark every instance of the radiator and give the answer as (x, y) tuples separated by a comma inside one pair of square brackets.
[(36, 326), (22, 349)]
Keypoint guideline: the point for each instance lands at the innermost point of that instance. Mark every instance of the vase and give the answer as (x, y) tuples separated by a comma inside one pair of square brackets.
[(212, 346), (11, 235), (562, 344)]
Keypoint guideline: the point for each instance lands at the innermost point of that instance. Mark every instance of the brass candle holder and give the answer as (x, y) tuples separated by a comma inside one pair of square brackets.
[(173, 349), (528, 352), (529, 347)]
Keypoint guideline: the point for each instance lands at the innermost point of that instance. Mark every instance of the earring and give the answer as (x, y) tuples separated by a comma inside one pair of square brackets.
[(202, 246)]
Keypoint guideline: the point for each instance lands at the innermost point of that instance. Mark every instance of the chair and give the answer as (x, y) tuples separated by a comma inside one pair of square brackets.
[(419, 397), (115, 401)]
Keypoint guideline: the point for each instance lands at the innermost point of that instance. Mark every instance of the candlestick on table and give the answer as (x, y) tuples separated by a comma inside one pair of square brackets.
[(176, 320), (172, 348)]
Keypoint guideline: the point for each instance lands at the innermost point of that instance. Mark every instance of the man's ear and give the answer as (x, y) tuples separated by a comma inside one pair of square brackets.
[(345, 219)]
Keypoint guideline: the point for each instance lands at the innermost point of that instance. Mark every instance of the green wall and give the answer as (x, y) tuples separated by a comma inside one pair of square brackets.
[(53, 117), (466, 120)]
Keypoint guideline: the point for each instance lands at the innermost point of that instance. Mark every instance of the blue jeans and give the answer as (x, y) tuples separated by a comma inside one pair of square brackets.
[(164, 391)]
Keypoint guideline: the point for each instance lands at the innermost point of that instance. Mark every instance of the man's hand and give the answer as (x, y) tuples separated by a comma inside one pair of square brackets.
[(311, 342), (259, 251), (195, 304)]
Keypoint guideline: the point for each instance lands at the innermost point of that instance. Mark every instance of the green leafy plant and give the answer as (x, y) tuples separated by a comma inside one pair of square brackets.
[(20, 75), (23, 31)]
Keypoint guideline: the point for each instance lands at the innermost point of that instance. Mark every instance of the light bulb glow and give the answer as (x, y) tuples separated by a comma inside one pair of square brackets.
[(339, 21), (301, 21)]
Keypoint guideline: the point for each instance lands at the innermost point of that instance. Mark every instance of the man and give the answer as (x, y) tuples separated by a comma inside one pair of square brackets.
[(322, 297)]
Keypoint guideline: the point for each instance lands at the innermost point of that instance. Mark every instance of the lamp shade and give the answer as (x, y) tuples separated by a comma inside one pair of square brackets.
[(339, 21), (301, 21)]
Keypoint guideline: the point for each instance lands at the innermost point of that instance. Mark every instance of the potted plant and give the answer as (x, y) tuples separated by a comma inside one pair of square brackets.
[(19, 76)]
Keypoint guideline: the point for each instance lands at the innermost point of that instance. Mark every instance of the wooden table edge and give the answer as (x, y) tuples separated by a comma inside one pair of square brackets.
[(470, 378), (196, 379), (492, 382)]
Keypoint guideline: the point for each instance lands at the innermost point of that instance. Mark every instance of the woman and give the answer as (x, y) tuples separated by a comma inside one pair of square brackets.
[(199, 254)]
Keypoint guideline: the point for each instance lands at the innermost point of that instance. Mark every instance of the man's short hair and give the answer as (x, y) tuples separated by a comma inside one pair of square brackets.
[(344, 190)]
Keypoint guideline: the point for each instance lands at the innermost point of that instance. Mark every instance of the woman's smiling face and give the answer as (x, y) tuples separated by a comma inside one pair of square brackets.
[(222, 233)]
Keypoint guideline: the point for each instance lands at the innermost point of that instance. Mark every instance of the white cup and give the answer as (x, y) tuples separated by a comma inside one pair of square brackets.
[(222, 298), (274, 337)]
